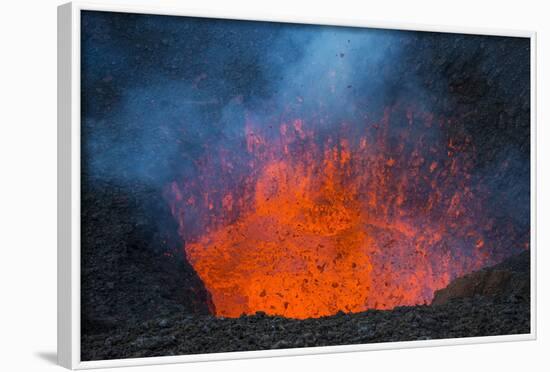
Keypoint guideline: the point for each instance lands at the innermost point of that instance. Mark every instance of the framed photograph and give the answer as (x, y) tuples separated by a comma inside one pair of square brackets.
[(236, 186)]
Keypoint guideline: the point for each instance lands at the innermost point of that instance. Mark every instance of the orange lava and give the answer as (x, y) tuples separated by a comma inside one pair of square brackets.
[(348, 225)]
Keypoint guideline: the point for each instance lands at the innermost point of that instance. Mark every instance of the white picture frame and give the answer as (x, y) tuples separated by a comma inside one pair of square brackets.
[(69, 187)]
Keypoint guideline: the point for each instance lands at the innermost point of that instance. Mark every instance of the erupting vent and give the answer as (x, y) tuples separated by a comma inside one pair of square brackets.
[(303, 223)]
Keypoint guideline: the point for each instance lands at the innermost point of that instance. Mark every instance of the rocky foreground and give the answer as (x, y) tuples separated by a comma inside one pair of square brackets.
[(493, 301)]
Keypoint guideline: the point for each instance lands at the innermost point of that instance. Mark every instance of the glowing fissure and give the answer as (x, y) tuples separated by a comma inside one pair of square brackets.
[(314, 224)]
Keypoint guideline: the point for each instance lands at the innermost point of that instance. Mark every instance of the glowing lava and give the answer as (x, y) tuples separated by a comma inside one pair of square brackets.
[(316, 225)]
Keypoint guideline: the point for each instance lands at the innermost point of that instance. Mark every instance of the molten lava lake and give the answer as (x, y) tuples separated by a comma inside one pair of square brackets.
[(306, 225)]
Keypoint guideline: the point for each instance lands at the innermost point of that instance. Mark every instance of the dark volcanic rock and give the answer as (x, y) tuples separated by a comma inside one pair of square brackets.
[(133, 269), (468, 317), (511, 277), (179, 334)]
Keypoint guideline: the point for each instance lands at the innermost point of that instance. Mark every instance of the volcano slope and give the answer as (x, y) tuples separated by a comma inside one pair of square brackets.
[(492, 301)]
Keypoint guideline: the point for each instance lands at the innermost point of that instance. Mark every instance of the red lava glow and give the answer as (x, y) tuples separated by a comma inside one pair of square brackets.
[(315, 224)]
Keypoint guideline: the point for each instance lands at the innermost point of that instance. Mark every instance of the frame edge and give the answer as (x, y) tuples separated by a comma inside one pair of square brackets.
[(65, 36)]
